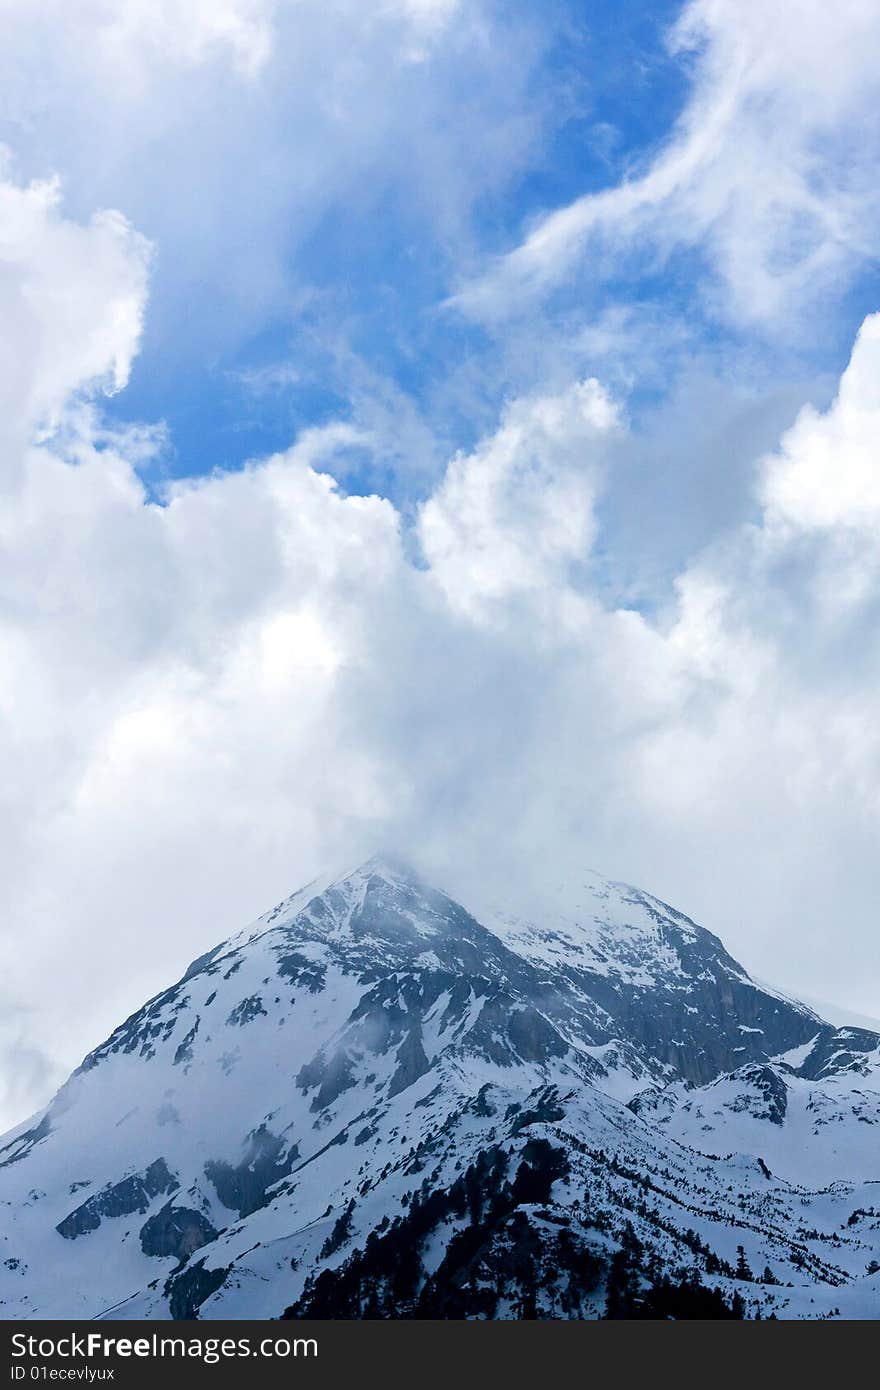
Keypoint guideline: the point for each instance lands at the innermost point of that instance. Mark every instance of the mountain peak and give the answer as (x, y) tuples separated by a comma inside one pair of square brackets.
[(383, 866), (251, 1127), (388, 864)]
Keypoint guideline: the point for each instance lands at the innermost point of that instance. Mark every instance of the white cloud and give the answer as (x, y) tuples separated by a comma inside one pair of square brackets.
[(71, 300), (801, 489), (769, 174), (121, 40), (125, 42), (203, 700), (515, 515), (227, 130)]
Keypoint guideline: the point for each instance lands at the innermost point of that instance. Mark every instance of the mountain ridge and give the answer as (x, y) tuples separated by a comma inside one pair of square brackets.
[(258, 1126)]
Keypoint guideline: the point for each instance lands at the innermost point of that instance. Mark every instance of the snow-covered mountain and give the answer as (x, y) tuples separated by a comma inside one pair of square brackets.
[(376, 1102)]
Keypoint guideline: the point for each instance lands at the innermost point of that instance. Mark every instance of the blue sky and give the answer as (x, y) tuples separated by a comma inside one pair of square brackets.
[(434, 423), (588, 97), (597, 92)]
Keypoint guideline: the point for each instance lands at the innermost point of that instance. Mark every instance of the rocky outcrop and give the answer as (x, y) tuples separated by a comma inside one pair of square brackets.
[(132, 1194), (176, 1231), (186, 1292), (243, 1187)]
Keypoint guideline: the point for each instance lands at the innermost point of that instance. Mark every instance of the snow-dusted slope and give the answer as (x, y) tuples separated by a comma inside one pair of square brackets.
[(813, 1114), (500, 1097)]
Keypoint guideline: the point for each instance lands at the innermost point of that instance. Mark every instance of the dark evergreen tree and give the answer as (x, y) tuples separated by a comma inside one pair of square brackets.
[(742, 1265), (340, 1233)]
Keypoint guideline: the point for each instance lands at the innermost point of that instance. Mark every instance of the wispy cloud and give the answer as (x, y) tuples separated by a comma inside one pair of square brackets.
[(769, 174)]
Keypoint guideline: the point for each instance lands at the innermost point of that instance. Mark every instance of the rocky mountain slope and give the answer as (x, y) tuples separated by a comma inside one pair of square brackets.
[(377, 1102)]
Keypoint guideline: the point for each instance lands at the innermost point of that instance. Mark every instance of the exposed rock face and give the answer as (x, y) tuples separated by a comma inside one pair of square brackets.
[(379, 1102), (411, 1063), (184, 1052), (176, 1231), (131, 1194), (668, 987), (21, 1145), (246, 1010), (187, 1292), (840, 1049), (244, 1187)]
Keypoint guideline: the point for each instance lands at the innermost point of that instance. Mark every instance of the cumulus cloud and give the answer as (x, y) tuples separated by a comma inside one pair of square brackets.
[(768, 177), (801, 491), (513, 516), (71, 301)]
